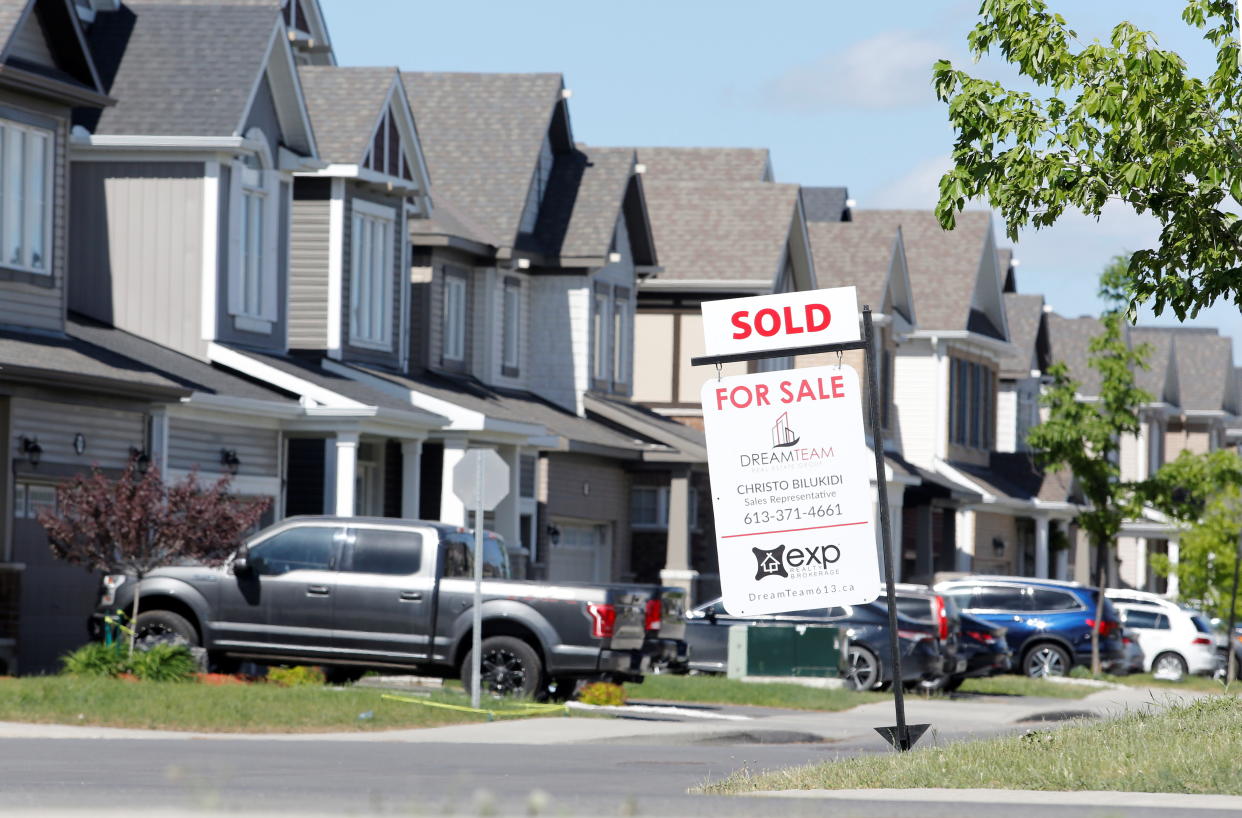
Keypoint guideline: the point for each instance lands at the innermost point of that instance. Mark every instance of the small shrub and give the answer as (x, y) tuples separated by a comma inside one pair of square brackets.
[(297, 676), (603, 694), (95, 659), (163, 663)]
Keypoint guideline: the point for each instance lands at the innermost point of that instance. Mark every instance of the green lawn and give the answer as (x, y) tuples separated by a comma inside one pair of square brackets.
[(1191, 748), (1010, 685), (1201, 684), (721, 690), (254, 708)]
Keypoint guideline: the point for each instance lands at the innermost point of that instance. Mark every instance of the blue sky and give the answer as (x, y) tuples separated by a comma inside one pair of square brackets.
[(839, 91)]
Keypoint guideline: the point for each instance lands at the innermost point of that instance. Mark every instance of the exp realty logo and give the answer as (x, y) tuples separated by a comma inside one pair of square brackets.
[(776, 562)]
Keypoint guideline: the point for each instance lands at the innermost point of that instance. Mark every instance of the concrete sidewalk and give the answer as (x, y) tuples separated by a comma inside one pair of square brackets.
[(950, 719)]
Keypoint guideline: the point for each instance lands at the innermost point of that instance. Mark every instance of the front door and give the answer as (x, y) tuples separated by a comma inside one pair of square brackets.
[(384, 597)]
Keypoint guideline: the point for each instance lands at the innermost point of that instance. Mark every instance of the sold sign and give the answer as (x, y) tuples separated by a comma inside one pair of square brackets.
[(763, 323)]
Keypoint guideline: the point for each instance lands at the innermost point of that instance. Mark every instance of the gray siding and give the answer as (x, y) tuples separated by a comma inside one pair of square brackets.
[(225, 330), (263, 116), (193, 443), (137, 249), (351, 352), (109, 432), (30, 43), (308, 264), (34, 300)]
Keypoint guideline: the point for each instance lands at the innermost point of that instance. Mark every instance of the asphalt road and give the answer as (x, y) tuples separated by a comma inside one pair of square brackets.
[(381, 778)]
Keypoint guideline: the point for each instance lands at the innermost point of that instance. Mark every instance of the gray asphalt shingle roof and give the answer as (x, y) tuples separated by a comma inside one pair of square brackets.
[(1159, 358), (825, 204), (706, 164), (724, 231), (344, 105), (180, 68), (1024, 314), (10, 14), (1069, 340), (943, 264), (309, 370), (1016, 475), (1204, 370), (183, 370), (481, 135), (858, 254), (24, 355), (582, 203)]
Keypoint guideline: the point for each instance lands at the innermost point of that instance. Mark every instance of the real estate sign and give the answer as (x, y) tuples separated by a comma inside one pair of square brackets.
[(761, 323)]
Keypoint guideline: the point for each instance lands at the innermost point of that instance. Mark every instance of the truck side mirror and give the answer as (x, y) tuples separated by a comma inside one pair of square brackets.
[(241, 562)]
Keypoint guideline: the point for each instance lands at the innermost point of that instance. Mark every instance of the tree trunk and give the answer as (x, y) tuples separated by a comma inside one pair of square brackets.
[(133, 618), (1101, 579)]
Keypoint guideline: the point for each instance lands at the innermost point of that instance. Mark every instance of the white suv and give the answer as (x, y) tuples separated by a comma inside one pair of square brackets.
[(1173, 643)]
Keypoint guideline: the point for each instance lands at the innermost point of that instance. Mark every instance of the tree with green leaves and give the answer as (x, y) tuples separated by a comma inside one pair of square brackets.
[(1118, 121), (1085, 437)]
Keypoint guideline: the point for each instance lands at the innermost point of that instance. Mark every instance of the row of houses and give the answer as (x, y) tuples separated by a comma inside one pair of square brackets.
[(223, 253)]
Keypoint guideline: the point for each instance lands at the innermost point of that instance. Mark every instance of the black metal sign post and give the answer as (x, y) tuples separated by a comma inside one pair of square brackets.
[(902, 736)]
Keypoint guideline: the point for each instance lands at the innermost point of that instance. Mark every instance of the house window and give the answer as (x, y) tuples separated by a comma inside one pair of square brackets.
[(620, 336), (512, 328), (454, 317), (601, 329), (255, 224), (649, 507), (370, 276), (25, 180), (972, 404), (254, 202)]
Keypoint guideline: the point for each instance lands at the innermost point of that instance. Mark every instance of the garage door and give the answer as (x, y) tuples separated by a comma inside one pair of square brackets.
[(582, 552)]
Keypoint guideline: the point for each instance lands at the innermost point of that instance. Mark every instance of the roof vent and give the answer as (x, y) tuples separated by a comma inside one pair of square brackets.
[(851, 203), (566, 93), (640, 168)]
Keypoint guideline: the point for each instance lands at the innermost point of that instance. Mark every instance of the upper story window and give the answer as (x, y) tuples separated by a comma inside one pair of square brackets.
[(454, 317), (511, 342), (370, 275), (600, 333), (255, 226), (25, 203), (972, 403), (386, 154), (620, 335)]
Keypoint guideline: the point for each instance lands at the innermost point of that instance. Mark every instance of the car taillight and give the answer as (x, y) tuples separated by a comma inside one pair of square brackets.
[(981, 636), (914, 636), (1200, 640), (1106, 627), (110, 583), (942, 618), (655, 612), (603, 620)]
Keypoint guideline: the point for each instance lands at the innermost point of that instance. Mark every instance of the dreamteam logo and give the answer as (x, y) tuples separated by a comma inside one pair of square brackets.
[(782, 435), (777, 561)]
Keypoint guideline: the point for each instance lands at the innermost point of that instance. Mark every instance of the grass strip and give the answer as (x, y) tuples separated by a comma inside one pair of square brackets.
[(1201, 684), (253, 708), (1010, 685), (1187, 748), (721, 690)]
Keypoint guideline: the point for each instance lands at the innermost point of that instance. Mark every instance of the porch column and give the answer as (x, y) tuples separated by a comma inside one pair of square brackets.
[(896, 496), (507, 511), (411, 465), (1140, 563), (452, 510), (1063, 554), (1174, 587), (1041, 547), (964, 536), (677, 569), (346, 444)]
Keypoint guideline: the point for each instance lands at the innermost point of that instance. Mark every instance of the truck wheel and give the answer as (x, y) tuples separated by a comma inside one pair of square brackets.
[(509, 667), (163, 628)]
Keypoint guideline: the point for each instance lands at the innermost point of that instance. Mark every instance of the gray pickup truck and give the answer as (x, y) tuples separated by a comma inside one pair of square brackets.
[(357, 593)]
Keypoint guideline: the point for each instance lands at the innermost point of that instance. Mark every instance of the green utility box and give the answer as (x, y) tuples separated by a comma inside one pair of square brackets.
[(786, 650)]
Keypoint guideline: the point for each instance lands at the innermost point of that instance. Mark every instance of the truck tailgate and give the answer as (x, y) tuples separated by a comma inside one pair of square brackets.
[(630, 627)]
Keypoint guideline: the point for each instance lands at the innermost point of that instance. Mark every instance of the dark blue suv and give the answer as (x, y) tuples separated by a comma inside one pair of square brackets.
[(1048, 623)]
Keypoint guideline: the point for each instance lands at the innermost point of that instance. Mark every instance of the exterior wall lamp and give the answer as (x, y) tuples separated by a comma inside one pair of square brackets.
[(32, 450), (140, 459), (230, 460)]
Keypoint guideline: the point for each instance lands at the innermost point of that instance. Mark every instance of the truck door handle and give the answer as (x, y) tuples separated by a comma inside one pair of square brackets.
[(412, 596), (317, 590)]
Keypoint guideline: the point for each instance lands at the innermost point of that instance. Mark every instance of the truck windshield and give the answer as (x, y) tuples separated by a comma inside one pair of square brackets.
[(459, 557)]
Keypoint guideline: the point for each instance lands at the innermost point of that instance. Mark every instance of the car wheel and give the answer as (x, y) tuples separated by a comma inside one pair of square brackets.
[(508, 667), (163, 628), (862, 670), (1169, 666), (1046, 660)]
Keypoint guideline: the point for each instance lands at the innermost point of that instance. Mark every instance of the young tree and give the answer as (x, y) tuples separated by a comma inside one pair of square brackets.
[(1121, 121), (136, 523), (1085, 437)]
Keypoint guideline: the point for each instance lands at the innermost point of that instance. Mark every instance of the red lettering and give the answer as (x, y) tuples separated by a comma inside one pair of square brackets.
[(786, 392), (825, 316), (720, 398), (776, 322), (822, 394), (790, 327), (761, 394), (805, 391), (745, 392), (838, 386), (739, 321)]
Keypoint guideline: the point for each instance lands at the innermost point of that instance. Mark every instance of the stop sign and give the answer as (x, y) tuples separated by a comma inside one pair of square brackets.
[(486, 466)]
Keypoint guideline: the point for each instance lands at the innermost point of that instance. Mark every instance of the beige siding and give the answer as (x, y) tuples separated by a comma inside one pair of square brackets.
[(193, 443), (990, 527), (920, 403), (691, 378), (109, 433), (138, 248), (593, 489), (308, 274), (653, 357)]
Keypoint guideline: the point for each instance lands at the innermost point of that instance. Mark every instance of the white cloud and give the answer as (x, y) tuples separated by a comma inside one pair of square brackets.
[(918, 187), (893, 69)]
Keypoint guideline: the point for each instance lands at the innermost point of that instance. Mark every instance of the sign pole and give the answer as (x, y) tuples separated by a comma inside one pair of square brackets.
[(476, 653)]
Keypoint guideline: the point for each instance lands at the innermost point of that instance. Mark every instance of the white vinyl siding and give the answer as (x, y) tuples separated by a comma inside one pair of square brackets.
[(371, 291), (454, 318), (25, 182)]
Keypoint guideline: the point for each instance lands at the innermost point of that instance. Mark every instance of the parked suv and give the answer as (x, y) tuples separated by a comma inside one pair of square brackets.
[(357, 593), (1047, 623)]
